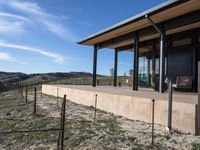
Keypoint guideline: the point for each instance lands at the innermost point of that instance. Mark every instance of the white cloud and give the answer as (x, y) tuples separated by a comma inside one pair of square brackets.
[(5, 14), (58, 58), (12, 24), (5, 56), (40, 16), (59, 30), (14, 27)]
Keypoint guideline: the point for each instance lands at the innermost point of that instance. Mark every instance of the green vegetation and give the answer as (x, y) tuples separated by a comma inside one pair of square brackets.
[(79, 132), (110, 124), (195, 146)]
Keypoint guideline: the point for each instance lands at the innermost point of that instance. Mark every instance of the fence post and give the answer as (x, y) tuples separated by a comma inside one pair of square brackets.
[(26, 99), (21, 92), (32, 89), (35, 98), (57, 96), (95, 108), (63, 123), (41, 91), (170, 106), (152, 138), (19, 86)]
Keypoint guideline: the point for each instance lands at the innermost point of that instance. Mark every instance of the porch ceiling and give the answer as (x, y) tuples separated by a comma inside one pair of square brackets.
[(153, 36), (170, 11)]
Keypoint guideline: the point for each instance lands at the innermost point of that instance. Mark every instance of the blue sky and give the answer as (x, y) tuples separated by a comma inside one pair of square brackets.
[(40, 35)]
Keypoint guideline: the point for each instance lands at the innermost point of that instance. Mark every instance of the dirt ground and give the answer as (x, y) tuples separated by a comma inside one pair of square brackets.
[(109, 133)]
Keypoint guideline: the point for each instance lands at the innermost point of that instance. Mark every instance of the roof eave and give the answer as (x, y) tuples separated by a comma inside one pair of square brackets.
[(132, 19)]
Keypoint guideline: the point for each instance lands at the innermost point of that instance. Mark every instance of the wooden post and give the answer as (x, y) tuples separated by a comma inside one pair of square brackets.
[(63, 123), (95, 108), (35, 98), (152, 139)]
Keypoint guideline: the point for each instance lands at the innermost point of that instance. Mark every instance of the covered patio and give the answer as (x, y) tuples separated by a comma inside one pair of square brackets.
[(168, 36)]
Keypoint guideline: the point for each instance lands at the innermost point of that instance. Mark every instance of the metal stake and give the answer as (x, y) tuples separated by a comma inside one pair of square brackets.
[(57, 96), (21, 92), (95, 109), (35, 95), (26, 98), (153, 103), (63, 123), (170, 106)]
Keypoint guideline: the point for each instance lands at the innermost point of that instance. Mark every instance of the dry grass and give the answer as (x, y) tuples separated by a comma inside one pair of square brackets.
[(110, 131)]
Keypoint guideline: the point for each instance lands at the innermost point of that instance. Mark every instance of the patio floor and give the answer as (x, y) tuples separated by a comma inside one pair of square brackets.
[(191, 98)]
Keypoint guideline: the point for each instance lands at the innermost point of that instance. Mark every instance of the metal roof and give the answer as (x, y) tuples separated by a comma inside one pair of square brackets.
[(134, 18)]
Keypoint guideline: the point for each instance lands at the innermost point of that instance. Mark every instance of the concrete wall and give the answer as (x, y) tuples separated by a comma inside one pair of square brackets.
[(131, 107)]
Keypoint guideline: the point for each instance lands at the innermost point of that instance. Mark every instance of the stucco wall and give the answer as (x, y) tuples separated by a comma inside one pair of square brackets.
[(130, 107)]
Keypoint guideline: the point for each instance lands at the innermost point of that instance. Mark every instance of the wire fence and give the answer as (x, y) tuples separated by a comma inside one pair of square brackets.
[(23, 96), (24, 90)]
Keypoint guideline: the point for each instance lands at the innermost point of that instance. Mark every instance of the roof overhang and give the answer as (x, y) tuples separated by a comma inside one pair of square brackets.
[(175, 15)]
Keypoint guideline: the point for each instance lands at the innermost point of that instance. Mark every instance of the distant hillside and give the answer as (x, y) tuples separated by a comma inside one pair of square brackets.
[(12, 75), (62, 74), (10, 80)]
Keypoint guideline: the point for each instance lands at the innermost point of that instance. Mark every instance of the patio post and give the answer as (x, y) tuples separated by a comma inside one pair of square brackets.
[(148, 72), (136, 64), (94, 67), (162, 56), (194, 60), (162, 62), (154, 59), (115, 68)]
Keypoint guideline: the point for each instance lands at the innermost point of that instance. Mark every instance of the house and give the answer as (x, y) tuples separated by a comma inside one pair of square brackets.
[(168, 35)]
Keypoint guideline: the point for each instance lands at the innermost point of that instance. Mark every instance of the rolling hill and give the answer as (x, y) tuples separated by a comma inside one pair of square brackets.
[(10, 80)]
